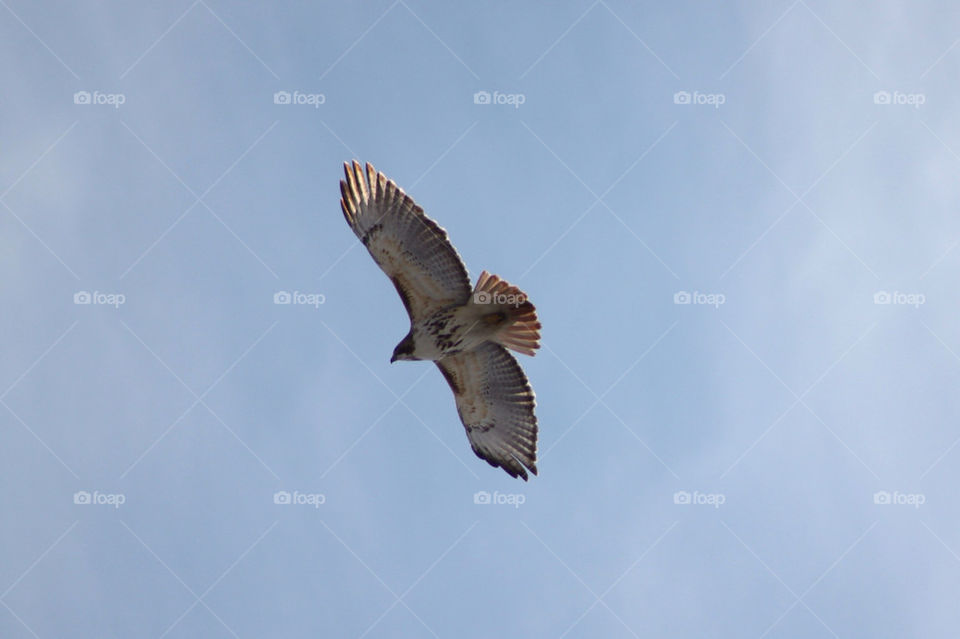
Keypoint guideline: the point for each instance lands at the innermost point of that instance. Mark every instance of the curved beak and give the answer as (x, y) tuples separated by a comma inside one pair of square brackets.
[(393, 358)]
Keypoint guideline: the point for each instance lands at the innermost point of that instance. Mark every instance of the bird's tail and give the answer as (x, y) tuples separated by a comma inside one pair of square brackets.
[(508, 306)]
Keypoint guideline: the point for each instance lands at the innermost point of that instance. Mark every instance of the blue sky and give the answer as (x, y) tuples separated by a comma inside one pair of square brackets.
[(738, 222)]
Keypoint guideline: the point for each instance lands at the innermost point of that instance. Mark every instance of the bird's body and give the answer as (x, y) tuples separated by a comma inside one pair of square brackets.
[(449, 332), (465, 330), (459, 328)]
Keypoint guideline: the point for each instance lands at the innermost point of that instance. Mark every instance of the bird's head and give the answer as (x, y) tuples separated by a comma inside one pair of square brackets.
[(404, 349)]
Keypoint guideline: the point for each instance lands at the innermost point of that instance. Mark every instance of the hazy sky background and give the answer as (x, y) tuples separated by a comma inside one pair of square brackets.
[(786, 198)]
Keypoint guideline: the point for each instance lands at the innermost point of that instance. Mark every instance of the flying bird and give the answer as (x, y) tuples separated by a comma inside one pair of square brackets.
[(465, 330)]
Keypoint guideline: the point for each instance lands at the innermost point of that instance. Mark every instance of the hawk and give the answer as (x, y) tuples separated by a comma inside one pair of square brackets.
[(465, 330)]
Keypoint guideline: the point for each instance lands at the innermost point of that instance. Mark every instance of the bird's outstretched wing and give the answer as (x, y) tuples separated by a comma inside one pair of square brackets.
[(413, 250), (496, 405)]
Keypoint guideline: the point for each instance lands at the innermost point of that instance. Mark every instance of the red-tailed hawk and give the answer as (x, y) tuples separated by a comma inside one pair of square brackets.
[(465, 330)]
